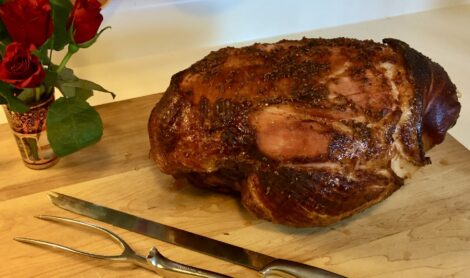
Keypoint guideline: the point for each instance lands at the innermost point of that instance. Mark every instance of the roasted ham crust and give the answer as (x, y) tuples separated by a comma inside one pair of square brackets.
[(307, 132), (435, 94)]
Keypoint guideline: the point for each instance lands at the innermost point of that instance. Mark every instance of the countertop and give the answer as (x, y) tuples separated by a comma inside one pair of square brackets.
[(422, 230)]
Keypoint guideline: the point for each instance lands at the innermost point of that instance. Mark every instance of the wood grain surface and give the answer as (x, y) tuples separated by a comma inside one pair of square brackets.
[(422, 230)]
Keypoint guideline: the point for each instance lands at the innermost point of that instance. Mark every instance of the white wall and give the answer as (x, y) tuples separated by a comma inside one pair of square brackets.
[(146, 27), (152, 39)]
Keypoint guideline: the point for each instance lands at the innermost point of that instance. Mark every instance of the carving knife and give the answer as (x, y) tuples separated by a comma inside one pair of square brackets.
[(266, 266)]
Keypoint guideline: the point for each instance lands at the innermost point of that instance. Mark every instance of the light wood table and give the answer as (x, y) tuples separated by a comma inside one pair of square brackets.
[(423, 230)]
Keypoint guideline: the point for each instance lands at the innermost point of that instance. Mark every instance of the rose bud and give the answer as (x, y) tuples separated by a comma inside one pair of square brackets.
[(85, 19), (27, 21), (20, 67)]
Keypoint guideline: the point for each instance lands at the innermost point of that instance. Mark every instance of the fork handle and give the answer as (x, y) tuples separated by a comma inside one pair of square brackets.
[(289, 269), (171, 269)]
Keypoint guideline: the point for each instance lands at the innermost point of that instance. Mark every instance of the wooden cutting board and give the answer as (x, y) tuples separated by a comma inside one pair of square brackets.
[(422, 230)]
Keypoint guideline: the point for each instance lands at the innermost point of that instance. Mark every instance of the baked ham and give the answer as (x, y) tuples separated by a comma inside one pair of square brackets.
[(307, 132)]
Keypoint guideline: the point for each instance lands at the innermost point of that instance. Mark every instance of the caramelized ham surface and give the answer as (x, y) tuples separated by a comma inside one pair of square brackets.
[(307, 132)]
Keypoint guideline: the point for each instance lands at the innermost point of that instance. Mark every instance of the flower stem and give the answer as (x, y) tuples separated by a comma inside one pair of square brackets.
[(37, 94), (50, 59), (64, 61)]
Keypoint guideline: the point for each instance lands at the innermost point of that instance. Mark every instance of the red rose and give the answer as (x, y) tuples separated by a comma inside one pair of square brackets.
[(27, 21), (21, 68), (86, 19)]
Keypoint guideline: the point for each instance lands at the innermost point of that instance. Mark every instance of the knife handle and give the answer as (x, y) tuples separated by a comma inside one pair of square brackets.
[(171, 269), (289, 269)]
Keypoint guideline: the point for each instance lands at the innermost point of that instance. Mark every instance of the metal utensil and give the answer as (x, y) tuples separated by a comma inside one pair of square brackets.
[(154, 261), (265, 265)]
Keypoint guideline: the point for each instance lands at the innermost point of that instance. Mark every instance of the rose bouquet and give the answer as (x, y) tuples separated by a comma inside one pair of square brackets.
[(30, 31)]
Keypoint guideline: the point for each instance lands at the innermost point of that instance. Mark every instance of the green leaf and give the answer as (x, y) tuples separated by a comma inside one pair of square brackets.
[(13, 103), (51, 78), (27, 95), (34, 95), (60, 14), (83, 93), (43, 51), (4, 38), (66, 92), (67, 75), (2, 48), (72, 86), (72, 124), (3, 100), (32, 149), (88, 85)]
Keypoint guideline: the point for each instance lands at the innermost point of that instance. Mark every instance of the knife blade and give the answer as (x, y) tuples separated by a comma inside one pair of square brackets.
[(264, 264)]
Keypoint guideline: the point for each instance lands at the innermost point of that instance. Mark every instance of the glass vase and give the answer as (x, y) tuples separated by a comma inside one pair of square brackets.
[(29, 131)]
